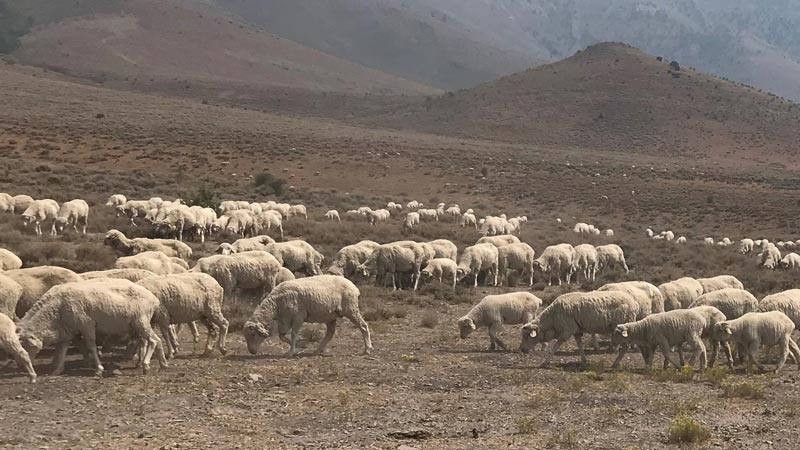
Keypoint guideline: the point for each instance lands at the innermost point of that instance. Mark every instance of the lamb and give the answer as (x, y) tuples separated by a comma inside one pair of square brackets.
[(298, 211), (155, 262), (499, 240), (558, 260), (10, 293), (246, 270), (129, 247), (40, 211), (88, 308), (586, 261), (755, 329), (493, 311), (479, 258), (790, 261), (116, 200), (35, 281), (134, 275), (333, 215), (411, 220), (734, 303), (518, 257), (6, 203), (720, 282), (74, 212), (9, 261), (349, 257), (245, 245), (664, 330), (468, 219), (771, 257), (441, 269), (21, 203), (577, 313), (444, 248), (680, 293), (188, 297), (611, 256), (9, 343), (648, 296), (381, 215), (321, 299), (295, 257)]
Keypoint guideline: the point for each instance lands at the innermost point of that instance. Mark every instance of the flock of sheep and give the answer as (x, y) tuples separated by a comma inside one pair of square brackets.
[(153, 287)]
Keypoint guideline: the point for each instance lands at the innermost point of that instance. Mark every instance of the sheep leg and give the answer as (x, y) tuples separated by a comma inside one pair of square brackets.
[(416, 277), (714, 353), (663, 345), (579, 343), (553, 349), (172, 340), (359, 321), (494, 270), (219, 320), (455, 280), (595, 344), (784, 348), (90, 339), (699, 349), (648, 354), (795, 351), (195, 333), (728, 353), (768, 350), (752, 354), (150, 342), (622, 350), (60, 356), (293, 339), (476, 280), (495, 341), (330, 330)]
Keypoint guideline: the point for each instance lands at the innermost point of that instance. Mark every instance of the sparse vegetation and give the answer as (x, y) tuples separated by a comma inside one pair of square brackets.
[(748, 389), (430, 320), (687, 430), (672, 375)]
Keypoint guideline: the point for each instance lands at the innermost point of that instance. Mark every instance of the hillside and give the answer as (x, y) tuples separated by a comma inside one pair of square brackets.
[(388, 36), (180, 43), (617, 98)]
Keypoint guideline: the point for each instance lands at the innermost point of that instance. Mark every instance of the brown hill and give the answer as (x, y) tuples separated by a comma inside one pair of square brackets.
[(615, 97), (151, 42)]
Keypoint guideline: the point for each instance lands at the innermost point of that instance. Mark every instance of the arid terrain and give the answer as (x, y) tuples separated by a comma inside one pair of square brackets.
[(610, 136)]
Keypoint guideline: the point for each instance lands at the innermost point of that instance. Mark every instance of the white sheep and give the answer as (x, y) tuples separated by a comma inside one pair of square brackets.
[(246, 270), (668, 235), (380, 215), (228, 206), (428, 214), (156, 262), (787, 302), (771, 257), (10, 293), (21, 202), (719, 282), (556, 260), (712, 316), (321, 299), (726, 242), (269, 220), (518, 257), (220, 224), (245, 245), (391, 259), (73, 212), (790, 261), (573, 314), (454, 212), (298, 211), (411, 220), (9, 343), (35, 281), (586, 261), (680, 293), (333, 215), (609, 232), (176, 221), (478, 259), (494, 311), (681, 240), (646, 295), (8, 260), (116, 200), (492, 226), (129, 247), (40, 211), (6, 203), (611, 256), (349, 257), (392, 206), (284, 275), (499, 240), (468, 219), (444, 248), (104, 306), (295, 256), (649, 233), (665, 331), (188, 297), (755, 329), (441, 269), (582, 228), (708, 241), (124, 274), (414, 205), (241, 222), (135, 208), (734, 303)]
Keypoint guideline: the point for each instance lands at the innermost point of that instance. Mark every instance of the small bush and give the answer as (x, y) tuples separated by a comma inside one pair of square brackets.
[(430, 319), (204, 196), (524, 425), (687, 430), (565, 439), (684, 375), (716, 375), (269, 184), (751, 390)]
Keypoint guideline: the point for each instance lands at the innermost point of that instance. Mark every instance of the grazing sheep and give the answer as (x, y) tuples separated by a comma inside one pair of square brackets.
[(746, 246), (116, 200), (493, 311), (493, 226), (176, 221), (664, 330), (321, 299), (441, 269), (646, 295), (573, 314), (349, 257), (188, 297), (381, 215), (479, 258), (582, 228), (295, 257), (680, 293), (514, 225), (391, 259), (734, 303), (298, 211), (40, 211), (611, 256), (517, 257), (649, 233), (6, 203), (712, 316), (499, 241), (708, 241), (10, 293), (220, 224), (428, 214), (284, 275), (88, 308), (35, 281), (241, 222), (444, 248), (21, 203), (333, 215), (414, 205), (129, 247), (228, 206), (392, 206), (203, 264), (269, 220), (787, 302), (720, 282), (790, 261), (74, 212), (9, 261), (245, 245), (9, 343), (246, 270), (755, 329), (454, 212), (558, 260), (134, 275), (135, 208), (681, 240), (586, 261), (411, 220), (156, 262), (468, 219)]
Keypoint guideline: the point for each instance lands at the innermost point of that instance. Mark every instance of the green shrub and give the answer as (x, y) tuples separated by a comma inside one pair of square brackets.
[(745, 389), (687, 430)]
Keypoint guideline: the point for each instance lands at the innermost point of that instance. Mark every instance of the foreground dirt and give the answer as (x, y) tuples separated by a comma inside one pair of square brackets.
[(421, 387)]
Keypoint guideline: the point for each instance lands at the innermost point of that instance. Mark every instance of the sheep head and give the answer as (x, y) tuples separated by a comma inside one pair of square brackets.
[(32, 344), (620, 334), (722, 331), (225, 249), (465, 327), (254, 334), (27, 220), (60, 223), (531, 335)]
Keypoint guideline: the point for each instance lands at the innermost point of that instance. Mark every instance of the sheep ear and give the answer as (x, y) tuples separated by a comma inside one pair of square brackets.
[(532, 333), (262, 331), (472, 324), (624, 333), (728, 330)]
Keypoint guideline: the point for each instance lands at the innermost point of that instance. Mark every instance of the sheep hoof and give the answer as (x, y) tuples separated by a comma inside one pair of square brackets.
[(33, 379)]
